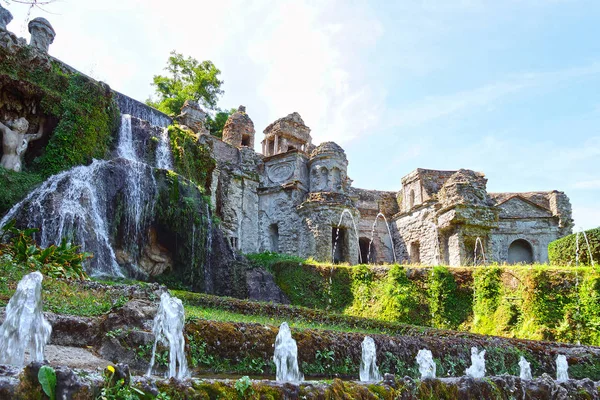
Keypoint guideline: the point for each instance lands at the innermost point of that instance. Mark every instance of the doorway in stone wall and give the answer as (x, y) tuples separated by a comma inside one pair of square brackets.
[(363, 244), (415, 252), (520, 252), (340, 246), (274, 237)]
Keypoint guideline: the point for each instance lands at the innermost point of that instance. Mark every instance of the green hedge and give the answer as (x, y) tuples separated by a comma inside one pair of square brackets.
[(562, 251), (537, 302)]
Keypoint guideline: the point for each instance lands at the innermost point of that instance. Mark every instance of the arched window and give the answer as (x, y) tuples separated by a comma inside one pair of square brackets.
[(520, 252)]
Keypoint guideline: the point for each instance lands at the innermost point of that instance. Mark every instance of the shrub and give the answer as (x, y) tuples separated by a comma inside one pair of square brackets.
[(563, 251), (62, 261)]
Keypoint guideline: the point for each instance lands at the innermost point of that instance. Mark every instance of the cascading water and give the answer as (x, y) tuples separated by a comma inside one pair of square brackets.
[(138, 199), (525, 368), (477, 368), (286, 356), (163, 151), (426, 364), (337, 234), (368, 364), (71, 205), (168, 329), (562, 368), (25, 328), (207, 266), (373, 236), (79, 205)]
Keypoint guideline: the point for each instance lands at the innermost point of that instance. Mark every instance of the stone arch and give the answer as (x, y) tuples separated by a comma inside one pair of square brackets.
[(520, 251)]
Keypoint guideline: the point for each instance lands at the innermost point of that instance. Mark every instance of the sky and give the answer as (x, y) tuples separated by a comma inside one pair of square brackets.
[(510, 88)]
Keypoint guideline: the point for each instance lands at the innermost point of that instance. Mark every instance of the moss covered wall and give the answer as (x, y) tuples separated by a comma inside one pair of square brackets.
[(81, 115), (531, 302)]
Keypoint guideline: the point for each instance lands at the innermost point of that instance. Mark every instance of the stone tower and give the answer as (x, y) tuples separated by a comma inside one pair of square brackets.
[(328, 168), (285, 134), (239, 129)]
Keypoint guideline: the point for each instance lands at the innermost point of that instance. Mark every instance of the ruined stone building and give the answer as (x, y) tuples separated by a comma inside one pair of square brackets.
[(296, 198)]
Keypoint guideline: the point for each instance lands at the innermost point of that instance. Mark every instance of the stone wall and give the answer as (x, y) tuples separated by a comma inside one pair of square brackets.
[(234, 192)]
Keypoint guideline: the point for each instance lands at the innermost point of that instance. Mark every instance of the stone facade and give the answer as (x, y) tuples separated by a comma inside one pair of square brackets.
[(297, 199)]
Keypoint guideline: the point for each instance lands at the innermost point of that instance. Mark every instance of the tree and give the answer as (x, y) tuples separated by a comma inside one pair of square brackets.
[(187, 79), (216, 124)]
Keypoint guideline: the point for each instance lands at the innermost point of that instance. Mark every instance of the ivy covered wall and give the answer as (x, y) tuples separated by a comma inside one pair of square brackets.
[(531, 302)]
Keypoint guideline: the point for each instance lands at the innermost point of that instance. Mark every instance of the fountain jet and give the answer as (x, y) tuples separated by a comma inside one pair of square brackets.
[(25, 329), (368, 365)]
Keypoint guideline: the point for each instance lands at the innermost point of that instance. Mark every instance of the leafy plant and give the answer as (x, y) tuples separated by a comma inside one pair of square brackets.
[(243, 385), (47, 378), (118, 389), (62, 261)]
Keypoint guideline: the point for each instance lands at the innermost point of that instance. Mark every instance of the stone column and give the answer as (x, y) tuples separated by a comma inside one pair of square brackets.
[(276, 148), (42, 34), (263, 148), (5, 17)]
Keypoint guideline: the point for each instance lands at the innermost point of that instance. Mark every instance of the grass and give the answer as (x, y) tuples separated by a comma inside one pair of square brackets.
[(213, 314)]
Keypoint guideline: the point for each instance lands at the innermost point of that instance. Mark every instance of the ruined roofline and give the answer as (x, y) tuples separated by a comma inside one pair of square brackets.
[(540, 198), (411, 176), (525, 199)]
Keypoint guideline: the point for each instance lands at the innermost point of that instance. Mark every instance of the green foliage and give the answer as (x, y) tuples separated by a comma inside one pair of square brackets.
[(563, 251), (88, 118), (47, 378), (215, 125), (62, 261), (14, 186), (191, 159), (486, 298), (449, 307), (244, 387), (187, 79), (118, 389), (86, 111)]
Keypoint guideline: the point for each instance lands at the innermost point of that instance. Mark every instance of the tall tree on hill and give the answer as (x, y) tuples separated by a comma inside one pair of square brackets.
[(186, 79)]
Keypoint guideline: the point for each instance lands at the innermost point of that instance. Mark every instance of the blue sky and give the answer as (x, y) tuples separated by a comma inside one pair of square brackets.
[(510, 88)]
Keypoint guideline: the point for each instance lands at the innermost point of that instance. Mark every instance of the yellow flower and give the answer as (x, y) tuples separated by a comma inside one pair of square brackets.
[(111, 369)]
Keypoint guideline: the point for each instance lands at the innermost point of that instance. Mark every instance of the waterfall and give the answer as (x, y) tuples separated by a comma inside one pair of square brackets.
[(168, 329), (139, 199), (71, 205), (163, 151), (25, 328), (88, 205), (130, 106)]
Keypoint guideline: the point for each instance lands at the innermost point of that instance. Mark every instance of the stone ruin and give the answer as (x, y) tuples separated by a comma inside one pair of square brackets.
[(290, 199)]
